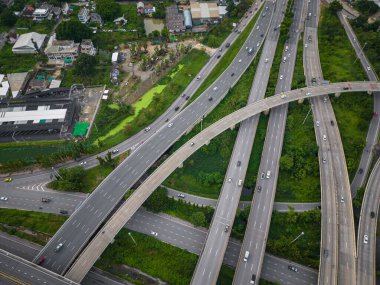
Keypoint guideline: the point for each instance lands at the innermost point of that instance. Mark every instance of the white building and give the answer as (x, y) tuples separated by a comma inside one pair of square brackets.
[(4, 86), (115, 57), (84, 15), (27, 43), (61, 51), (42, 12)]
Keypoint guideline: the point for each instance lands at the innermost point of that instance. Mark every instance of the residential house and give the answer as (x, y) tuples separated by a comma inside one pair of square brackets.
[(65, 8), (87, 47), (28, 11), (12, 37), (149, 9), (7, 3), (140, 8), (4, 86), (114, 75), (56, 11), (96, 18), (61, 52), (17, 82), (174, 19), (37, 85), (204, 13), (28, 43), (42, 12), (84, 15)]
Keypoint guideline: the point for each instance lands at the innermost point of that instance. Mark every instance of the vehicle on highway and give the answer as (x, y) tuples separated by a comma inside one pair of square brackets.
[(325, 99), (365, 239), (293, 268), (305, 45), (258, 27), (250, 51), (368, 68), (170, 125), (259, 188), (180, 195), (246, 255), (115, 151), (64, 212), (147, 129), (83, 163), (4, 198), (281, 77), (309, 39), (58, 247), (238, 163), (324, 160), (232, 74), (325, 253), (283, 96), (215, 88), (332, 123), (8, 179), (229, 180), (40, 260), (167, 120), (268, 174), (314, 80), (154, 233), (239, 60), (226, 228), (240, 183), (218, 56), (210, 98), (324, 137), (258, 44), (308, 93), (317, 123), (346, 88), (45, 200), (176, 108), (341, 199), (266, 60), (284, 59), (228, 45), (253, 279), (262, 175), (372, 215), (183, 95), (375, 114), (187, 97), (286, 48), (192, 143)]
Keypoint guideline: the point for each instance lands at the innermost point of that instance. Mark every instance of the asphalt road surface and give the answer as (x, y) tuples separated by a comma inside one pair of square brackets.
[(257, 229), (83, 223), (210, 260), (110, 229), (367, 229)]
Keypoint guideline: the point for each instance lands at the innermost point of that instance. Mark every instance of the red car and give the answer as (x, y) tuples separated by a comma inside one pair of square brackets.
[(41, 260), (376, 114)]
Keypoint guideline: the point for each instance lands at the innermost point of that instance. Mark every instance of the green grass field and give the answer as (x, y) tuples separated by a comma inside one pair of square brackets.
[(10, 62), (353, 111)]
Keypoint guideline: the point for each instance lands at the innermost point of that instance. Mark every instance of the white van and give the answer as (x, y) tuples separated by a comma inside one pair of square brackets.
[(246, 255), (240, 182), (284, 59), (268, 174)]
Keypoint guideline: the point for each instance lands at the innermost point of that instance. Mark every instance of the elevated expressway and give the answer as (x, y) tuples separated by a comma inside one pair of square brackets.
[(107, 233), (338, 251), (366, 266), (257, 229), (374, 126), (211, 257), (84, 222)]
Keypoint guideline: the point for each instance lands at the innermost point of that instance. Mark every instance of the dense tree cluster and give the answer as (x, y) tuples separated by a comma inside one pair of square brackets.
[(69, 179), (85, 65), (73, 30), (108, 9)]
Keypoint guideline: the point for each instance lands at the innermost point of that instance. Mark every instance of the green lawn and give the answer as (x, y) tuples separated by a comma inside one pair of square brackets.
[(158, 259), (10, 62), (285, 228), (101, 77), (203, 172), (353, 111)]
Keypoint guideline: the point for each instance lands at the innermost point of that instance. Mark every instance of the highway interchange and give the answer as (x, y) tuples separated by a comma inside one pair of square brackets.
[(340, 264)]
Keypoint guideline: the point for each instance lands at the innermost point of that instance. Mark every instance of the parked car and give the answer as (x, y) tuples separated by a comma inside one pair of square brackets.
[(64, 212), (293, 268), (8, 179)]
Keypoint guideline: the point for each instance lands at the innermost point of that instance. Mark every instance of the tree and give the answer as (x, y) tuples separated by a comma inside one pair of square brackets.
[(107, 161), (158, 200), (335, 6), (73, 30), (108, 9), (8, 18), (198, 219), (85, 65), (286, 162), (165, 33)]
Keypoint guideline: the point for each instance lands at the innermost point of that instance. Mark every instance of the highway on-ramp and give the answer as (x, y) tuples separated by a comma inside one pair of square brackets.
[(366, 273), (108, 232)]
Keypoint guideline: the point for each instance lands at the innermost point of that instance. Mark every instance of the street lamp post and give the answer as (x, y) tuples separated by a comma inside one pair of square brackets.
[(130, 234), (56, 172), (300, 235)]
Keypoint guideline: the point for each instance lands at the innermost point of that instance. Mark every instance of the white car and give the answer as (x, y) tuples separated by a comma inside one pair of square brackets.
[(170, 125), (215, 88), (368, 68), (181, 195), (3, 198), (306, 45), (308, 94), (115, 151), (229, 180), (365, 239), (266, 60), (147, 129), (324, 137), (283, 96), (239, 60), (154, 233), (281, 77), (317, 123), (83, 163), (324, 160)]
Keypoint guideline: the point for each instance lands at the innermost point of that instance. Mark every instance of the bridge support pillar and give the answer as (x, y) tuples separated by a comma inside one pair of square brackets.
[(266, 112), (369, 92), (337, 94)]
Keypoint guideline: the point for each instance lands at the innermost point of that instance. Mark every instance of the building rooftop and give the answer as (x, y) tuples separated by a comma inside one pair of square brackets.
[(202, 10), (35, 115), (16, 82), (25, 41)]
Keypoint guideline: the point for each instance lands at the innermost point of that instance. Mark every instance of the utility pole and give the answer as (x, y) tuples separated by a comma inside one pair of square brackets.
[(300, 235), (130, 234)]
